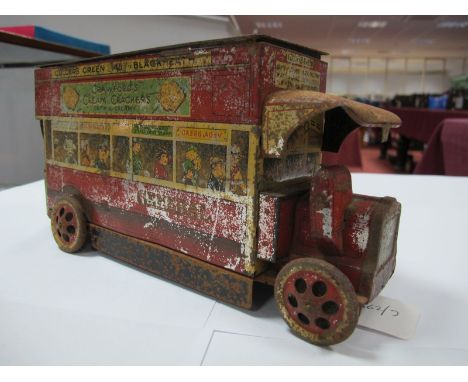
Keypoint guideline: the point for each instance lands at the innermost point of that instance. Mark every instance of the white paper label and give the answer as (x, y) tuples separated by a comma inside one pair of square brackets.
[(390, 316)]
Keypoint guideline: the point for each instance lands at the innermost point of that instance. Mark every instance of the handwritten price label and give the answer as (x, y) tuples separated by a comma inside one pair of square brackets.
[(390, 316), (383, 309)]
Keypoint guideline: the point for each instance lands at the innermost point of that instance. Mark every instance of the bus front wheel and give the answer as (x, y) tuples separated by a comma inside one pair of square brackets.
[(68, 224), (317, 301)]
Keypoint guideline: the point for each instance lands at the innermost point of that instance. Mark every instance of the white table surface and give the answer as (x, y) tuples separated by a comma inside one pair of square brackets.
[(60, 309)]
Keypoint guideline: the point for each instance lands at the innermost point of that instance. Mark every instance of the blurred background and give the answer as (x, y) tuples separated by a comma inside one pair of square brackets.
[(415, 66)]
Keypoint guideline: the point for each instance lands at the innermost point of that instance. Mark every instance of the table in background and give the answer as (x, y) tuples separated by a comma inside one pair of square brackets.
[(447, 150), (418, 124), (86, 309)]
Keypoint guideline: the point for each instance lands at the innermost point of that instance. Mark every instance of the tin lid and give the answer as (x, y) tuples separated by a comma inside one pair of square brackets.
[(202, 44)]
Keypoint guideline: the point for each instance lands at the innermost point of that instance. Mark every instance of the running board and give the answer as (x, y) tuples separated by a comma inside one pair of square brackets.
[(219, 283)]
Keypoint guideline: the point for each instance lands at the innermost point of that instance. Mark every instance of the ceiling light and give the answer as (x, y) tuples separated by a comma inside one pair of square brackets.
[(453, 24), (269, 24), (372, 24), (359, 40)]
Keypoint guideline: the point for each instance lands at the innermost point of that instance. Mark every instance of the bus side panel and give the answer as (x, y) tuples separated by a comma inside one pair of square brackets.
[(222, 89), (205, 227)]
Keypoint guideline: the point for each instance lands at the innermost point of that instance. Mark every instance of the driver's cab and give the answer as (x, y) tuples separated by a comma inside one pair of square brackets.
[(303, 203)]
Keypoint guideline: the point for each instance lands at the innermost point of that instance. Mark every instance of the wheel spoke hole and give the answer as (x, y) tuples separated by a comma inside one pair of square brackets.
[(330, 307), (66, 237), (300, 285), (68, 216), (59, 233), (292, 301), (62, 211), (303, 319), (71, 229), (322, 323), (319, 289)]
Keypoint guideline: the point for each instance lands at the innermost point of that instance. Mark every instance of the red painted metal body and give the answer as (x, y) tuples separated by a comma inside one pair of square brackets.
[(225, 86), (356, 233), (232, 90), (207, 157), (130, 208)]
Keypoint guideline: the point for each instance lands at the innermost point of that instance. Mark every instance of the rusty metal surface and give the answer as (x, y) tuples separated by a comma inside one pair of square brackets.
[(286, 110), (206, 44), (172, 135), (68, 224), (268, 226), (357, 234), (162, 149), (330, 194), (380, 255), (125, 213), (214, 281), (317, 301)]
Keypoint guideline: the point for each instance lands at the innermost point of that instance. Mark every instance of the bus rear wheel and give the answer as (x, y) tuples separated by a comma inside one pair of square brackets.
[(317, 301), (68, 224)]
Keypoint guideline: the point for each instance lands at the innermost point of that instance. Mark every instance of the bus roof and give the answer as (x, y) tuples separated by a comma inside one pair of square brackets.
[(202, 44)]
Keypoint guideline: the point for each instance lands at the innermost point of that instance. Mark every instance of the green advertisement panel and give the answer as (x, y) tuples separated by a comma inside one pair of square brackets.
[(160, 131), (154, 96)]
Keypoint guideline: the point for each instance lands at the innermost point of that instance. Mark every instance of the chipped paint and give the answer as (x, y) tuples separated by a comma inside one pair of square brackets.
[(232, 264), (326, 221), (267, 227), (287, 110), (180, 181), (214, 218), (361, 230), (158, 214)]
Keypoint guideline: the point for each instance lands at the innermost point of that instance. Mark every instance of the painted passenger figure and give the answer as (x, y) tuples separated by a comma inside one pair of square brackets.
[(217, 176), (161, 164), (191, 166), (188, 178), (120, 157), (85, 154), (137, 160), (238, 184), (102, 161), (70, 151)]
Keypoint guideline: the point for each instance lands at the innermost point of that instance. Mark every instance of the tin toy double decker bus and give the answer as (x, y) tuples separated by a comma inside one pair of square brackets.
[(201, 163)]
